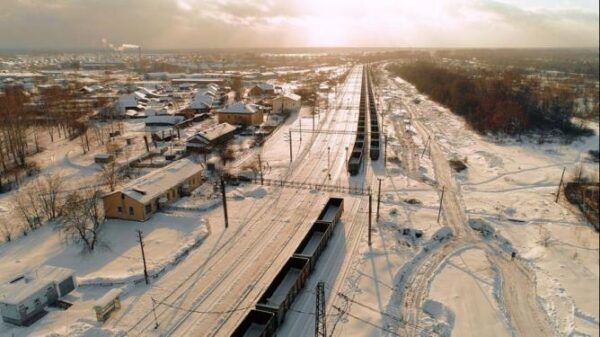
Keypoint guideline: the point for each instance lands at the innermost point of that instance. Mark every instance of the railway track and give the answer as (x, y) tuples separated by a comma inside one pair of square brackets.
[(213, 281)]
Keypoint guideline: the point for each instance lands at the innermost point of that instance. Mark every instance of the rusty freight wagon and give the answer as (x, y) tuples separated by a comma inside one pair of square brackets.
[(257, 323), (314, 242), (332, 211), (280, 294)]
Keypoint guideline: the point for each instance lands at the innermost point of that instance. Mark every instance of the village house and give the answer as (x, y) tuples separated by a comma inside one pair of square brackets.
[(261, 89), (143, 197), (206, 140), (241, 113), (287, 103)]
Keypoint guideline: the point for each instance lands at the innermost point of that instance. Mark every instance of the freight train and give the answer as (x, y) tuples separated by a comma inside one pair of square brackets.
[(276, 300)]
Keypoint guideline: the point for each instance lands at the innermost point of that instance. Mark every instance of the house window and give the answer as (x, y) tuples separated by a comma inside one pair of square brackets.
[(120, 209), (149, 208), (130, 210), (122, 196), (37, 302)]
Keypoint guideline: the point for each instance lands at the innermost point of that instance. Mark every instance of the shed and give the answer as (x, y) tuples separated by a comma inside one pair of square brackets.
[(24, 298)]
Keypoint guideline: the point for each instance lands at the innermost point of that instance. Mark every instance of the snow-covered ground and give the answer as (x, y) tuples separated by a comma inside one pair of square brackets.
[(419, 277)]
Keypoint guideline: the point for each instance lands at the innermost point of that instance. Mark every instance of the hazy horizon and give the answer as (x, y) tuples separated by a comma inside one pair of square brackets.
[(217, 24)]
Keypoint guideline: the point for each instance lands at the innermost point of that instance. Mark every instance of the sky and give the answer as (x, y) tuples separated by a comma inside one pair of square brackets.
[(183, 24)]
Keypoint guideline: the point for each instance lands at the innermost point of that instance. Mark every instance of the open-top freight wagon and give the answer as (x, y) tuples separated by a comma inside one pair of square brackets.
[(280, 294), (257, 323), (285, 287)]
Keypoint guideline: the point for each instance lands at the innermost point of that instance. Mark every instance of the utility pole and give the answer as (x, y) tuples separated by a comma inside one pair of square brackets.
[(141, 241), (328, 163), (224, 194), (370, 215), (320, 319), (560, 184), (146, 142), (261, 169), (154, 313), (290, 146), (441, 199), (385, 151), (300, 122), (425, 147), (378, 199)]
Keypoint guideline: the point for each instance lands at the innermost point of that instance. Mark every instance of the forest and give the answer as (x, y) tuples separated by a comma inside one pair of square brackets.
[(503, 102)]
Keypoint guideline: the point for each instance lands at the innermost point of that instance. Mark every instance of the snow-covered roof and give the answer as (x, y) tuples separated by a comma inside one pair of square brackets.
[(126, 101), (240, 108), (107, 298), (154, 184), (265, 86), (214, 132), (19, 289), (16, 293), (201, 101), (161, 119), (291, 96)]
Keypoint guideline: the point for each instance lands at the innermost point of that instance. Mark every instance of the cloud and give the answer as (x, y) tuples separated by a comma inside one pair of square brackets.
[(289, 23)]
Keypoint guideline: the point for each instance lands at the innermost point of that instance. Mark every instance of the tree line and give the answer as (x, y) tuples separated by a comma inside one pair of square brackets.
[(503, 102)]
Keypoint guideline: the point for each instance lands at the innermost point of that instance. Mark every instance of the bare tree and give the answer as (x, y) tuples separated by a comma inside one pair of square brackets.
[(29, 208), (83, 217), (110, 174), (49, 188)]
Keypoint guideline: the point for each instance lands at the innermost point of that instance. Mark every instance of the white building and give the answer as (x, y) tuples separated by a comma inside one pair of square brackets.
[(287, 103)]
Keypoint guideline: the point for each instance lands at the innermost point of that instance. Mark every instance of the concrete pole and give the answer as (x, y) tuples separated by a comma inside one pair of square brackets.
[(224, 194), (370, 215), (141, 241), (290, 146), (378, 199)]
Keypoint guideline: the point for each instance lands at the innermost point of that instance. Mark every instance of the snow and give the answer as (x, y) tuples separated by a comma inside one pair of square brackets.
[(463, 283), (284, 287), (312, 244)]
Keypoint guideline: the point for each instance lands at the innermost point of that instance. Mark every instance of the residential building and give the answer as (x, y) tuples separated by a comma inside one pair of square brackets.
[(241, 113), (143, 197), (261, 89), (206, 140), (287, 103)]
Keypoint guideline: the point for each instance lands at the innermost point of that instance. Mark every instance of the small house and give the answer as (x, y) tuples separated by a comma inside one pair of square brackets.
[(287, 103), (262, 89), (206, 140), (24, 298), (143, 197), (241, 113)]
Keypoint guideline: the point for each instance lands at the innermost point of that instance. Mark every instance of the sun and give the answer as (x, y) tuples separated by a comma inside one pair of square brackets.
[(326, 32)]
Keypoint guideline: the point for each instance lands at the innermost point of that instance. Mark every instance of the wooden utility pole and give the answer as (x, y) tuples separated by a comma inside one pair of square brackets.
[(441, 200), (141, 241), (378, 199), (290, 146), (560, 184), (261, 170), (224, 194), (370, 215), (146, 142)]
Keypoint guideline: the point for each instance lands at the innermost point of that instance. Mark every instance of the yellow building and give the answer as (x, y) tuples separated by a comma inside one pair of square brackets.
[(241, 114), (143, 197)]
